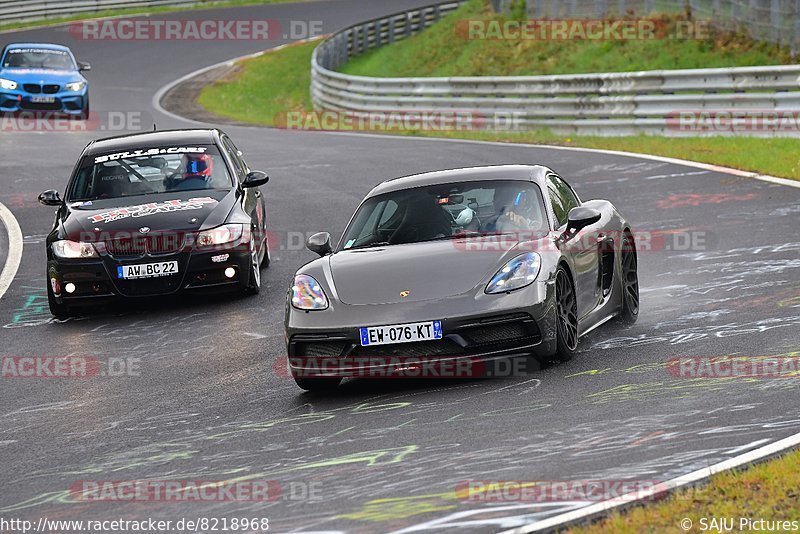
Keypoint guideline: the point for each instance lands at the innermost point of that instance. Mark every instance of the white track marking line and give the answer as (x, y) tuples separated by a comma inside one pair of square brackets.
[(662, 159), (14, 249), (669, 486)]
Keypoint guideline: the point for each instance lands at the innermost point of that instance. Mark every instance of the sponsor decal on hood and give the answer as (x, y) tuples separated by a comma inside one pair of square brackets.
[(151, 208)]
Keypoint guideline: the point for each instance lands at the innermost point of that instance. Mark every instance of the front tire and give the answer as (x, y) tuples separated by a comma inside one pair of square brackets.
[(317, 384), (254, 276), (630, 281), (566, 317), (267, 258), (85, 111), (59, 310)]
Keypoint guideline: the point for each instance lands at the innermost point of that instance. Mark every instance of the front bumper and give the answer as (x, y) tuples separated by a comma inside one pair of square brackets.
[(486, 327), (66, 102), (96, 279)]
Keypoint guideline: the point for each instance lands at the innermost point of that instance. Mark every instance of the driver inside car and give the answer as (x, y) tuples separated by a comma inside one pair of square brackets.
[(195, 172), (516, 211)]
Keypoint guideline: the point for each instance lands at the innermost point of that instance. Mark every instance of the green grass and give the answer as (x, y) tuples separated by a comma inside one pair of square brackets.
[(442, 50), (265, 87), (769, 491), (133, 11)]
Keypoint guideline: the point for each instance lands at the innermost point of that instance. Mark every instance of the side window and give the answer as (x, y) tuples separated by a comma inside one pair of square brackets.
[(236, 153), (241, 169), (568, 196), (562, 196), (558, 207)]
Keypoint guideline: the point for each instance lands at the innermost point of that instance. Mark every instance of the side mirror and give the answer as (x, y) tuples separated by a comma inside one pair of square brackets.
[(83, 66), (50, 198), (320, 243), (579, 218), (255, 179)]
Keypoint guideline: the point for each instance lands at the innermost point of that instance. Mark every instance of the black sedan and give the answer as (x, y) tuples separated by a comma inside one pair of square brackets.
[(459, 266), (153, 214)]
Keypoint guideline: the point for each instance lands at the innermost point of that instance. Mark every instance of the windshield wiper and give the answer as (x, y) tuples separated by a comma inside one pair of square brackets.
[(370, 245), (462, 235)]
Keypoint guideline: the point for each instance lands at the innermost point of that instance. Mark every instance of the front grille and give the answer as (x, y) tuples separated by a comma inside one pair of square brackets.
[(33, 88), (489, 334), (149, 286), (330, 349), (51, 89), (131, 246), (443, 347), (41, 106), (140, 245)]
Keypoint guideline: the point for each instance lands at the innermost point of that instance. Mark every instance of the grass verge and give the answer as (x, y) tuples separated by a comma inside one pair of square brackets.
[(262, 88), (769, 491), (132, 11), (444, 50)]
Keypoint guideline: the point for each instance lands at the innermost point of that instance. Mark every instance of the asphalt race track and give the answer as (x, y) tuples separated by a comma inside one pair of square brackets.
[(211, 401)]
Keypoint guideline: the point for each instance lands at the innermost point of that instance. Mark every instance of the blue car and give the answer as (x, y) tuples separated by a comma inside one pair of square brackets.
[(39, 77)]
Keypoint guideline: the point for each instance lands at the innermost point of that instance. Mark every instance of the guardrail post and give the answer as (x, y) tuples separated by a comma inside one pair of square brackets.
[(796, 33), (391, 30), (775, 20)]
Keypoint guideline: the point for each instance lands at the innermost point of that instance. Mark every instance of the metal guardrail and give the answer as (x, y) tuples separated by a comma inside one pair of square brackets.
[(26, 10), (625, 103)]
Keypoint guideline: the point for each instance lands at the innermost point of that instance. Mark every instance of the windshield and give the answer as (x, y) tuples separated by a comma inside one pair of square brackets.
[(446, 211), (38, 58), (149, 171)]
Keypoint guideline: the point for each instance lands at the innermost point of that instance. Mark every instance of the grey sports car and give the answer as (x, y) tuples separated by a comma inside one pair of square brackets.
[(455, 267)]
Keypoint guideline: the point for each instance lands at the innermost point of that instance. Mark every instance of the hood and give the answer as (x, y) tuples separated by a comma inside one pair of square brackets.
[(41, 75), (179, 211), (428, 271)]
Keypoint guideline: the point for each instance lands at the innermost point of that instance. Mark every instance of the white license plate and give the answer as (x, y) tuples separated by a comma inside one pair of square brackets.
[(43, 99), (401, 333), (147, 270)]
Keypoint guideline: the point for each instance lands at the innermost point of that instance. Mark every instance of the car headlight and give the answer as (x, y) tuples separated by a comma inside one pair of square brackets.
[(74, 249), (307, 294), (221, 235), (518, 272), (8, 85), (75, 86)]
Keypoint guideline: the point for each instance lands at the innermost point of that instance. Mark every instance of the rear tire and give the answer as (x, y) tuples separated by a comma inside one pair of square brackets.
[(630, 281), (317, 384), (59, 310), (566, 317)]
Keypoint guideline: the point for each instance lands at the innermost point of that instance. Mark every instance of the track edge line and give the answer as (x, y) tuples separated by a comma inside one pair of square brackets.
[(15, 247), (602, 508)]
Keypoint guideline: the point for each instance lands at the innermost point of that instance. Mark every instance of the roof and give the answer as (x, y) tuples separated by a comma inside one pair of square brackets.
[(528, 173), (151, 140)]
